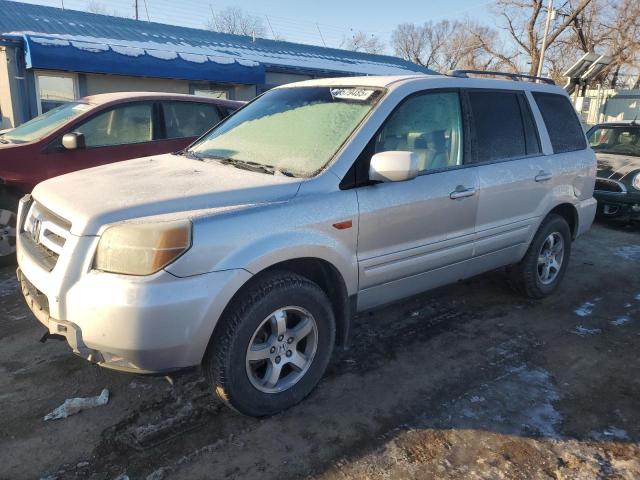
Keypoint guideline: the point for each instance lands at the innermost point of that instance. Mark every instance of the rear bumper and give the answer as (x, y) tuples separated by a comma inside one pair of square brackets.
[(586, 214)]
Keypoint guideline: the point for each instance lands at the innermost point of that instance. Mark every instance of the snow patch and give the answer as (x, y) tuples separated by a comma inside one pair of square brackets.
[(620, 321), (516, 402), (128, 51), (583, 331), (193, 57), (72, 406), (222, 60), (628, 252), (247, 63), (50, 41), (585, 309), (610, 433), (91, 47), (163, 54)]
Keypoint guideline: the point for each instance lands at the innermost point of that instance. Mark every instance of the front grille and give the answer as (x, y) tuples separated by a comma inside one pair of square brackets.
[(44, 235), (608, 185)]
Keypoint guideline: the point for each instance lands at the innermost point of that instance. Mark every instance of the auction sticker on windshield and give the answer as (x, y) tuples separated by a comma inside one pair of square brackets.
[(358, 94)]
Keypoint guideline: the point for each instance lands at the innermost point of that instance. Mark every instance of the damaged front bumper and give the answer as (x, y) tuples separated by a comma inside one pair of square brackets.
[(39, 306)]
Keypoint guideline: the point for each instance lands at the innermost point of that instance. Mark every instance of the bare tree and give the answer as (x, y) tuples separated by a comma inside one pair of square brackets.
[(610, 27), (100, 9), (236, 21), (523, 19), (363, 42), (448, 45)]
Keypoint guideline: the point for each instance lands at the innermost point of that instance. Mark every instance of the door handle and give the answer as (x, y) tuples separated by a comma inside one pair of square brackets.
[(543, 176), (462, 192)]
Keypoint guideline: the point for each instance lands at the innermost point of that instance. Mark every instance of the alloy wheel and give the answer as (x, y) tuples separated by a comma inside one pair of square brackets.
[(7, 232), (550, 258), (282, 349)]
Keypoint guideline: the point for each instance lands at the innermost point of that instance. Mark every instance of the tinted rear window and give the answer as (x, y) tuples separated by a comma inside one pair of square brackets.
[(561, 120), (500, 132)]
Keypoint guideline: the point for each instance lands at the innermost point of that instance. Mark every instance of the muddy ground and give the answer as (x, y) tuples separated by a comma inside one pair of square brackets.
[(469, 381)]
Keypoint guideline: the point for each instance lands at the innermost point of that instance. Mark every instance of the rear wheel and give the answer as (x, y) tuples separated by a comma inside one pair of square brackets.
[(541, 270), (273, 345), (8, 216)]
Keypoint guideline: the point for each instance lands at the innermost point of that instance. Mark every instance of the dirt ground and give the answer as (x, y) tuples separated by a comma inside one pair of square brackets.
[(469, 381)]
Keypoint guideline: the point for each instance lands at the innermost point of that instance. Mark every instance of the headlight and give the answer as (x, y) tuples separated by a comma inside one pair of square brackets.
[(142, 248), (636, 181)]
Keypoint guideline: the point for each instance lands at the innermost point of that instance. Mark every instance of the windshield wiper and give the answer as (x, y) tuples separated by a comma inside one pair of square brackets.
[(188, 154), (254, 166), (247, 165), (4, 140)]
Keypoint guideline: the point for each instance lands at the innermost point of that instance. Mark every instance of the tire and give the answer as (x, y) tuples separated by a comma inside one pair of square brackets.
[(528, 276), (252, 320), (8, 216)]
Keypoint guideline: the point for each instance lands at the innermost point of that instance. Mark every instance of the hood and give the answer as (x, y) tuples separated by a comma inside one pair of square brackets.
[(9, 146), (616, 167), (158, 185)]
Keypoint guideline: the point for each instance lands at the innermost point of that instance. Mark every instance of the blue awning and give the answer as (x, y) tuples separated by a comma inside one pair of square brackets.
[(55, 53)]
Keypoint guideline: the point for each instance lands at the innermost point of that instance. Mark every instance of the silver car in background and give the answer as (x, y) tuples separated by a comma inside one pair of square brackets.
[(250, 252)]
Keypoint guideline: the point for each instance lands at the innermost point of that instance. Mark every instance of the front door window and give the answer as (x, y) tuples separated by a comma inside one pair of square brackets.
[(121, 125)]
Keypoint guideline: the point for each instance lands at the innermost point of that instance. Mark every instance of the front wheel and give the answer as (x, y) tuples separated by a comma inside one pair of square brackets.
[(541, 270), (8, 216), (273, 345)]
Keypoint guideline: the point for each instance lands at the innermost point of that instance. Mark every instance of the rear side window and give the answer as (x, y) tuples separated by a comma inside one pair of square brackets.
[(502, 124), (561, 120), (189, 119)]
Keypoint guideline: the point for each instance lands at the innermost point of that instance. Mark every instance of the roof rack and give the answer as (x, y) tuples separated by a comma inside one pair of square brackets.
[(513, 76)]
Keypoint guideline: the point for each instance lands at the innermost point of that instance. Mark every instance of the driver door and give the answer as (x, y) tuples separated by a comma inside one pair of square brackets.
[(418, 234), (119, 133)]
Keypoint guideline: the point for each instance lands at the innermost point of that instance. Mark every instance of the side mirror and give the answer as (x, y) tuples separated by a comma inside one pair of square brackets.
[(393, 166), (73, 141)]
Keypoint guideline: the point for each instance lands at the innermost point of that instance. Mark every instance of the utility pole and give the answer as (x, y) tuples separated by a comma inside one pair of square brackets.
[(136, 8), (321, 37), (273, 35), (550, 15)]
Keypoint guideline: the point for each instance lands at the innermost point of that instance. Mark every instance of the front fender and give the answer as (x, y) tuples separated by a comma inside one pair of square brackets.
[(258, 238), (294, 245)]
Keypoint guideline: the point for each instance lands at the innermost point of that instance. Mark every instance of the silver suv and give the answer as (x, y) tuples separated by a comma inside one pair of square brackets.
[(250, 252)]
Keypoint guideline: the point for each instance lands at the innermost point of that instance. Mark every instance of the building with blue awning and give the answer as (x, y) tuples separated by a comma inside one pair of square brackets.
[(50, 55)]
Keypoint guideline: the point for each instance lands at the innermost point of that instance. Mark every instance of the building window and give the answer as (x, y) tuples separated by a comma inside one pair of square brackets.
[(211, 93), (54, 89)]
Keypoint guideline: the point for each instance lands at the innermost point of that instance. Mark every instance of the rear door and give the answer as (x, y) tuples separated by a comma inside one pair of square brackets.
[(417, 234), (183, 122), (514, 176)]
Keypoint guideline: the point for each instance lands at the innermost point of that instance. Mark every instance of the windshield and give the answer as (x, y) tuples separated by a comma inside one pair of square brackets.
[(44, 124), (292, 130), (621, 140)]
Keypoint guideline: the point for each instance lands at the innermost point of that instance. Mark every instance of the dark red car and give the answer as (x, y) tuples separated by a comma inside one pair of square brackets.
[(93, 131)]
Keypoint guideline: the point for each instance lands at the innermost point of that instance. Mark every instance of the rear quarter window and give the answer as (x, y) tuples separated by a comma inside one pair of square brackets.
[(561, 120)]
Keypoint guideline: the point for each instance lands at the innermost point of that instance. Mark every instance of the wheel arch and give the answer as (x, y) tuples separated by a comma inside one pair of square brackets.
[(318, 270), (569, 212)]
